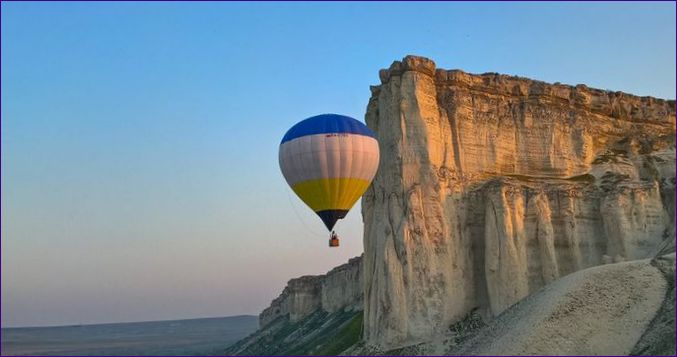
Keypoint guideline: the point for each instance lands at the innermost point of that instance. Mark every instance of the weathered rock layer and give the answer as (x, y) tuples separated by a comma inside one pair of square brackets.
[(492, 186), (340, 289)]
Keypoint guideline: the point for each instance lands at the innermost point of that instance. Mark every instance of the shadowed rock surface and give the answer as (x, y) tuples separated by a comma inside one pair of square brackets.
[(659, 338)]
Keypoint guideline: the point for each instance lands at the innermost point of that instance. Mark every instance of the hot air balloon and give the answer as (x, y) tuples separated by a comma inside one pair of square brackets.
[(329, 160)]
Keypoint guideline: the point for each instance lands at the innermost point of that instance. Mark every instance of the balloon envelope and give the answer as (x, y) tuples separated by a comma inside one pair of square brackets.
[(329, 161)]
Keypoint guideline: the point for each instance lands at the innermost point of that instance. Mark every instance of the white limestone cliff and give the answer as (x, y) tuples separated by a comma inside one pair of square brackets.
[(339, 289), (492, 186)]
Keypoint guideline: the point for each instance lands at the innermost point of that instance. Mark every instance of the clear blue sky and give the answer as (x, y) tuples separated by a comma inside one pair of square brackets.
[(139, 140)]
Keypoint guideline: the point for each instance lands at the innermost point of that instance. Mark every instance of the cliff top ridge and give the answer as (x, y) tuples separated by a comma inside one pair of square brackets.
[(616, 104)]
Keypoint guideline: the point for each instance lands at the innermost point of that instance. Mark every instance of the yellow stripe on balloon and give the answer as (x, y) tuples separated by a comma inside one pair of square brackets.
[(333, 193)]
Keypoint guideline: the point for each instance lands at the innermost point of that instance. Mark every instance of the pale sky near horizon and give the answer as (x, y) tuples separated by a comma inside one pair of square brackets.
[(139, 140)]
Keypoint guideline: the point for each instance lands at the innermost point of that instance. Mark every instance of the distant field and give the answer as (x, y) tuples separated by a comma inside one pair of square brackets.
[(177, 337)]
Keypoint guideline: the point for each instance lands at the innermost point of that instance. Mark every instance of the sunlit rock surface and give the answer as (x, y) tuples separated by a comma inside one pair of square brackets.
[(491, 186)]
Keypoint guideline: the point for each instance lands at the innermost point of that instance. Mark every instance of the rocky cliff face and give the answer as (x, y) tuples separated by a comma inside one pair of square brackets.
[(314, 315), (492, 186), (340, 289)]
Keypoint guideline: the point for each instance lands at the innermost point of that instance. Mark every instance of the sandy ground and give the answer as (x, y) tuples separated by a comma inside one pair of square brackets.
[(598, 311)]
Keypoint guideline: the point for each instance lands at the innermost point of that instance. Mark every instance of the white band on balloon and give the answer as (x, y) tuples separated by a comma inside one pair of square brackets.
[(332, 155)]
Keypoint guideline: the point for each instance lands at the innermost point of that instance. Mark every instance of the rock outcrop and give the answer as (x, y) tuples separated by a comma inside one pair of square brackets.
[(300, 298), (314, 315), (340, 289), (492, 186)]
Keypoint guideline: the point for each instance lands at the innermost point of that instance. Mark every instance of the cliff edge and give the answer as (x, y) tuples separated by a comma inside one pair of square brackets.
[(492, 186)]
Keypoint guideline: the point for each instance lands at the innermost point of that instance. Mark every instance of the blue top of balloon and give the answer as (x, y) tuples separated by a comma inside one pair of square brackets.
[(325, 124)]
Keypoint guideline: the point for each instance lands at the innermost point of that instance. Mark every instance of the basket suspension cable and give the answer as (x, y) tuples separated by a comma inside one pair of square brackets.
[(298, 216)]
